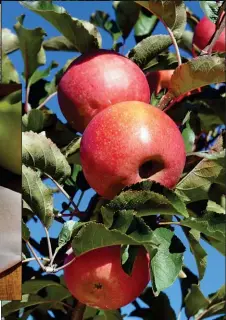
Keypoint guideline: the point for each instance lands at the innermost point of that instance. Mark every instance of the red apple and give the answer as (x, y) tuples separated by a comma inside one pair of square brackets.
[(129, 142), (96, 278), (159, 80), (97, 80), (204, 31)]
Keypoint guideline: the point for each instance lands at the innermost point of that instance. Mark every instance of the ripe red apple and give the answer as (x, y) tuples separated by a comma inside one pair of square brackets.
[(159, 80), (129, 142), (97, 279), (97, 80), (204, 31)]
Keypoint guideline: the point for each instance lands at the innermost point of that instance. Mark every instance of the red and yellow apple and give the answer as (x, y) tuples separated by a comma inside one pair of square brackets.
[(129, 142), (97, 80), (96, 278), (204, 31)]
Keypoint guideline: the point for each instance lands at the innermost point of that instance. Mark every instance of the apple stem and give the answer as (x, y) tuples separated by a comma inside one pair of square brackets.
[(219, 29), (46, 100), (78, 312), (64, 266), (175, 44)]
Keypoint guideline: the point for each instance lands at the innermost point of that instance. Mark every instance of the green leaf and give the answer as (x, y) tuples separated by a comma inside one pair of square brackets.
[(25, 232), (9, 73), (128, 257), (196, 184), (82, 34), (37, 195), (145, 25), (127, 13), (214, 207), (9, 41), (160, 307), (30, 43), (35, 285), (59, 43), (33, 120), (195, 301), (199, 253), (40, 74), (66, 232), (103, 20), (112, 315), (42, 153), (145, 199), (211, 224), (173, 14), (167, 260), (198, 72), (211, 9), (188, 135)]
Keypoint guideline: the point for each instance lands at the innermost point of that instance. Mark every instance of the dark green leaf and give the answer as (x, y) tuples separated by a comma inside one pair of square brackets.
[(211, 9), (42, 153), (25, 232), (40, 74), (195, 301), (37, 195), (144, 26), (30, 43), (127, 13), (33, 121), (82, 34)]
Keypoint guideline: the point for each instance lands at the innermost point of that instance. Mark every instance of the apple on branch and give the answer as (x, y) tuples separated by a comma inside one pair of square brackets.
[(129, 142), (96, 80)]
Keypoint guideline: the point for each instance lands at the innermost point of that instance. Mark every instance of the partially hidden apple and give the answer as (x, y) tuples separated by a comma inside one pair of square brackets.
[(97, 80), (204, 31), (96, 278), (160, 79), (10, 136), (129, 142)]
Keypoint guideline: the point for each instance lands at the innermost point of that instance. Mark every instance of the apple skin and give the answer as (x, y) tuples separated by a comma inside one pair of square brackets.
[(97, 80), (204, 30), (119, 142), (96, 278), (159, 80), (10, 136)]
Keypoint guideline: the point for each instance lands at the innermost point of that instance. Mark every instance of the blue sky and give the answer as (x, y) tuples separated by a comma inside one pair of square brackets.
[(215, 273)]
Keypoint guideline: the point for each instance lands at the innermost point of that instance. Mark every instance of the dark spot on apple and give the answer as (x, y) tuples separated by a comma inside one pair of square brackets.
[(98, 286), (150, 167)]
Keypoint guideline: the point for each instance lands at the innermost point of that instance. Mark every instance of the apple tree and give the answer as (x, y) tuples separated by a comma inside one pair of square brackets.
[(155, 165)]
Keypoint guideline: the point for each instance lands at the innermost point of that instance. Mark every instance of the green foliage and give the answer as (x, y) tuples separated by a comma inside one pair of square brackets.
[(143, 214)]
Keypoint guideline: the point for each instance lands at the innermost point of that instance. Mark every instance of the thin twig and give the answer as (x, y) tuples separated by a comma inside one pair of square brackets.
[(78, 312), (36, 257), (65, 265), (46, 100), (53, 258), (208, 49), (201, 316), (49, 243), (32, 259)]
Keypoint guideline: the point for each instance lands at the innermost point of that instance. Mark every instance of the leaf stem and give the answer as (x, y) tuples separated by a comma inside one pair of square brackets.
[(202, 315), (27, 106), (49, 243), (46, 100), (175, 44), (168, 223), (35, 256), (32, 259), (78, 312)]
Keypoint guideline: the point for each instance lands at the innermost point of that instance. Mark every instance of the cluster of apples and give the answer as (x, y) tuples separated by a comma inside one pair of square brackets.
[(105, 96)]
